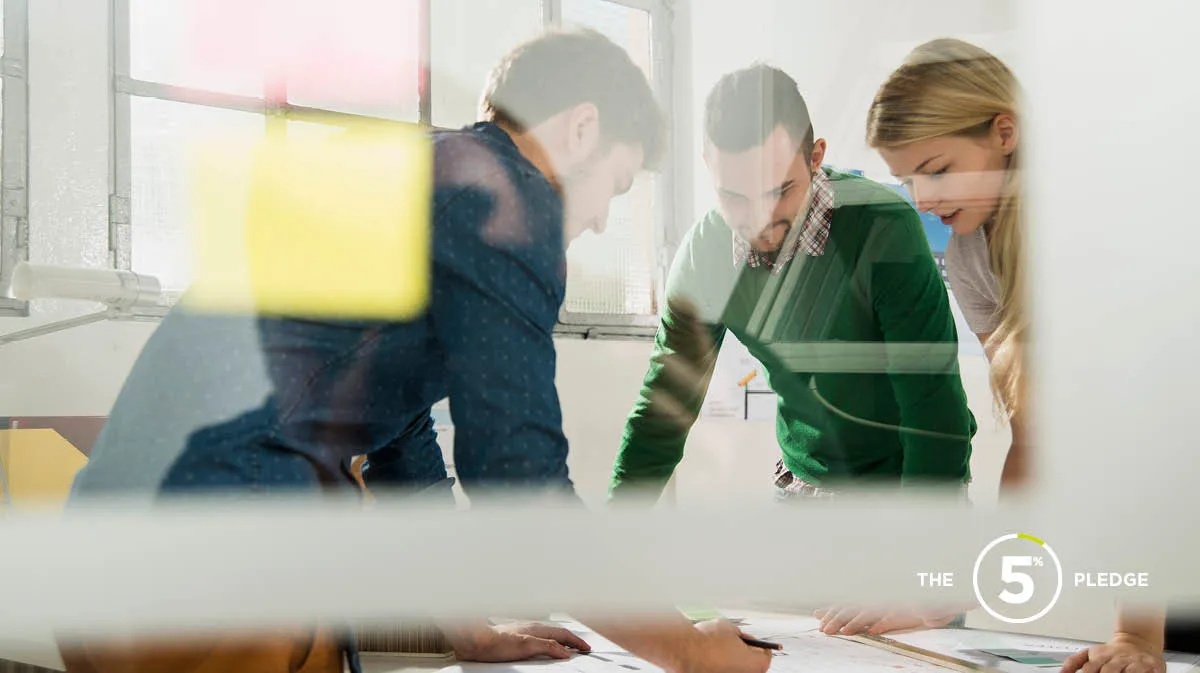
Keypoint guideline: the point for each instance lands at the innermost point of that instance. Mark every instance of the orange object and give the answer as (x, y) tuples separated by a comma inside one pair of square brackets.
[(300, 650), (746, 380), (38, 466)]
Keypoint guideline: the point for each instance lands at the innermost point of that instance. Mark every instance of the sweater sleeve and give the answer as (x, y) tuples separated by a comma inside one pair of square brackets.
[(913, 310), (685, 351), (672, 394)]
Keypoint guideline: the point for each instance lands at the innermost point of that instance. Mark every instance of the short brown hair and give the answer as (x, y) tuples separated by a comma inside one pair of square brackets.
[(747, 105), (560, 69)]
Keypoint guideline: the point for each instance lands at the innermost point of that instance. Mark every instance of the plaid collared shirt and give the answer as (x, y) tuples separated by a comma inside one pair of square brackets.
[(810, 237), (788, 486)]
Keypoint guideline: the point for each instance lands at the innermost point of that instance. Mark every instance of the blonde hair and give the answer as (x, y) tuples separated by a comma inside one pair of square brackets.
[(948, 87)]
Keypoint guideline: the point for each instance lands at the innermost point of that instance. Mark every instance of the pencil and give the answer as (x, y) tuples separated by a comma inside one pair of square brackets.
[(761, 643)]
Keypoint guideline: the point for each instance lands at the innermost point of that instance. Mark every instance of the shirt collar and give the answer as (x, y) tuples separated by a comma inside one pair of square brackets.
[(502, 140), (494, 132), (809, 237)]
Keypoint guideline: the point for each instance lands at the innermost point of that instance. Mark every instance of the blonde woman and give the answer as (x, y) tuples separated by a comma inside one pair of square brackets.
[(947, 123)]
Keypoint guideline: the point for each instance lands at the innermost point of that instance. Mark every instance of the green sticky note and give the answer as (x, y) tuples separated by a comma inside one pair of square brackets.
[(1039, 661), (1026, 657), (700, 614)]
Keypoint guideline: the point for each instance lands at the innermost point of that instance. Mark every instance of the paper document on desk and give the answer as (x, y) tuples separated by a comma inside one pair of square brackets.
[(1036, 658), (805, 650), (978, 646)]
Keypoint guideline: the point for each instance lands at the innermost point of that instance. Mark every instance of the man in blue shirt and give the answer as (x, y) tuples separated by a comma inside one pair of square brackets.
[(568, 122)]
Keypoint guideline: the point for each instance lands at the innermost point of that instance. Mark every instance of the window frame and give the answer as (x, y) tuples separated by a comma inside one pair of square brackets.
[(588, 325), (272, 105), (276, 111), (14, 191)]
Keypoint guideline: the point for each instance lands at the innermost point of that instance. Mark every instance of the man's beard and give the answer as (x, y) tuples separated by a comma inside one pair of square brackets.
[(780, 226), (580, 174)]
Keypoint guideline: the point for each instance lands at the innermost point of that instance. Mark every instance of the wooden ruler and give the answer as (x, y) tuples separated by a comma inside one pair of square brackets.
[(914, 652)]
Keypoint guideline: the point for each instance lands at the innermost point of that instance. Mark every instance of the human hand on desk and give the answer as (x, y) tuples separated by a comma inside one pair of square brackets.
[(722, 650), (849, 620), (1123, 654), (512, 642)]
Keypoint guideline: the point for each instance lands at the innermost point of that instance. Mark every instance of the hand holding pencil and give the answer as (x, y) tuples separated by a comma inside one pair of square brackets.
[(720, 650)]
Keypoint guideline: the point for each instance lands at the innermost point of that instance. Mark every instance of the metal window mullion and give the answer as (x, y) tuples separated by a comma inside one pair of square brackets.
[(237, 103), (120, 225), (180, 94), (662, 55), (624, 326), (425, 64), (675, 34), (275, 93), (333, 118), (650, 6), (14, 190), (623, 320), (551, 13), (606, 332)]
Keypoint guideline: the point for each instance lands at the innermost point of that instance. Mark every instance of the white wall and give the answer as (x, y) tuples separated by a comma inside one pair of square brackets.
[(839, 76)]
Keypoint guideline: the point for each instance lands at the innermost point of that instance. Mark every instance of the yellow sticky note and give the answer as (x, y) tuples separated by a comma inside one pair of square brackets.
[(314, 225)]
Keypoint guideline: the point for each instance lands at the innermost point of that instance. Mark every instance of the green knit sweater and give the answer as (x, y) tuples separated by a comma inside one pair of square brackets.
[(857, 342)]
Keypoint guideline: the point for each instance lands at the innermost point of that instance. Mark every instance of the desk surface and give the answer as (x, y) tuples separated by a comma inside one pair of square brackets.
[(946, 641), (965, 644)]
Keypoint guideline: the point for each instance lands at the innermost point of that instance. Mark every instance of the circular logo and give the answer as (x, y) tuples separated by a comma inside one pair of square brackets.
[(1017, 578)]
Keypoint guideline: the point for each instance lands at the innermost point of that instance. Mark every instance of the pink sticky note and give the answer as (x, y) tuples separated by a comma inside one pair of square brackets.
[(351, 55)]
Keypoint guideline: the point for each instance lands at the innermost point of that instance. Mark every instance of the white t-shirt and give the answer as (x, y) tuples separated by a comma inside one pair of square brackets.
[(974, 285)]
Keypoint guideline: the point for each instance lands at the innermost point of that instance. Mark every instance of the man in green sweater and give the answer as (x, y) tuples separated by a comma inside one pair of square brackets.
[(828, 280)]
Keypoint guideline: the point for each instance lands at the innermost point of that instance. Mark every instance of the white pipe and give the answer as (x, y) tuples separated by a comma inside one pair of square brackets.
[(58, 326), (113, 287)]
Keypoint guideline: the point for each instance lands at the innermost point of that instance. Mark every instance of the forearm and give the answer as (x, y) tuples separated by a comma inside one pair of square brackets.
[(1143, 624), (670, 400), (668, 641), (645, 461), (466, 636)]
